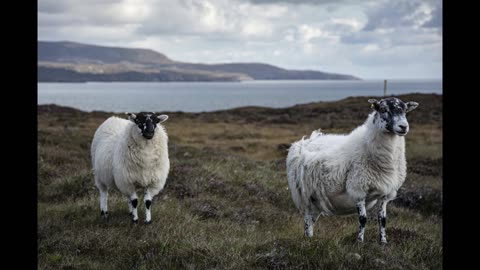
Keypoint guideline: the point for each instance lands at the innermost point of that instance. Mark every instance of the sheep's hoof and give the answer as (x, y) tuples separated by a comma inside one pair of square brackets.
[(104, 214), (360, 240), (383, 241), (148, 222), (135, 221)]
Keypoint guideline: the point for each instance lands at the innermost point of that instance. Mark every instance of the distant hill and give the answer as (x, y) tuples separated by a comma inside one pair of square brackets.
[(260, 71), (75, 62), (72, 52), (60, 74)]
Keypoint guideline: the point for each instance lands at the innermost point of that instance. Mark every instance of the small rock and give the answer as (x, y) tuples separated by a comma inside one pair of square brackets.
[(379, 261)]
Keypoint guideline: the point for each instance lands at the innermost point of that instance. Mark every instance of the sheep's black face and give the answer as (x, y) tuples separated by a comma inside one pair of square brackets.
[(391, 115), (147, 122)]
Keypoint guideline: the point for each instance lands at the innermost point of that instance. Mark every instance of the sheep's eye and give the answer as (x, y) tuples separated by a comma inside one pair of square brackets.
[(382, 110)]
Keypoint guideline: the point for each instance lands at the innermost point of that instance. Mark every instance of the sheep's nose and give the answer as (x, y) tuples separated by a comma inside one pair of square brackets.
[(402, 127), (150, 128)]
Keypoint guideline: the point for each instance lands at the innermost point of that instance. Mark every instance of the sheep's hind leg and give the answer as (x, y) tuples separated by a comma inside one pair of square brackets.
[(362, 219), (103, 200), (382, 220), (309, 221)]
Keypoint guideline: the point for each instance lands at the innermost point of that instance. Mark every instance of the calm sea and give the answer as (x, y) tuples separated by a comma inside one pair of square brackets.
[(211, 96)]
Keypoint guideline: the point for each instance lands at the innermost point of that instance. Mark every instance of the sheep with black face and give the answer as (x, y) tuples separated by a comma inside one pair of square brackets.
[(131, 153), (345, 174)]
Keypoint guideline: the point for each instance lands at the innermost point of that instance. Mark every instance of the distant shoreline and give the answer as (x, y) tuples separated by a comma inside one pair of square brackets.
[(60, 108), (206, 96), (247, 81)]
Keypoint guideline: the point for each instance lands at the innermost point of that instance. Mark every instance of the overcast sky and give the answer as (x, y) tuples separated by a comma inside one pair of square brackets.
[(369, 39)]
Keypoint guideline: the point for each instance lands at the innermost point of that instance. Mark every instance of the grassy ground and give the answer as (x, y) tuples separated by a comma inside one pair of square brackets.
[(226, 204)]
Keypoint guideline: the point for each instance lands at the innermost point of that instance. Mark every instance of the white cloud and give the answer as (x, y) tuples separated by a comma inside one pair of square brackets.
[(353, 23), (370, 48)]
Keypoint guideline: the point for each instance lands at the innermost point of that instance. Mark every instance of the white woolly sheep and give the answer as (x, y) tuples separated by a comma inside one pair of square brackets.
[(340, 174), (131, 153)]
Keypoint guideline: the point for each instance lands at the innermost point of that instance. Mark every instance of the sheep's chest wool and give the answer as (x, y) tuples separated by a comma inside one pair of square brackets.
[(338, 174), (140, 161)]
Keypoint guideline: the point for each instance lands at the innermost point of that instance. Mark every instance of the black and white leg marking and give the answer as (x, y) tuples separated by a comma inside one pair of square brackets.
[(148, 203), (382, 221), (150, 192), (134, 202), (362, 219)]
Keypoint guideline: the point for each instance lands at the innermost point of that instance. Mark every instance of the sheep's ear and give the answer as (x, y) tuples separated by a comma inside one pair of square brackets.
[(131, 116), (162, 118), (411, 105), (374, 103)]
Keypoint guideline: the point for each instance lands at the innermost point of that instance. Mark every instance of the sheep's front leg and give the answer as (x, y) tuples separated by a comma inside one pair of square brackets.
[(362, 219), (382, 220), (150, 192), (133, 203), (147, 199)]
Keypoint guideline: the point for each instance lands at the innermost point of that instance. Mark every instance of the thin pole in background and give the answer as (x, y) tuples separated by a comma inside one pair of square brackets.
[(385, 88)]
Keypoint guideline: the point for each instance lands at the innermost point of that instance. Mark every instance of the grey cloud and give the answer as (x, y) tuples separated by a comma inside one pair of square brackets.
[(102, 13), (399, 37), (52, 19), (403, 20), (56, 6), (50, 7), (307, 2), (437, 18), (401, 56), (392, 14)]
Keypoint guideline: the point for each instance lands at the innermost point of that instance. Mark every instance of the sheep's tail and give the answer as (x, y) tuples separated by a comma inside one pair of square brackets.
[(316, 133), (295, 170), (296, 147), (295, 157)]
